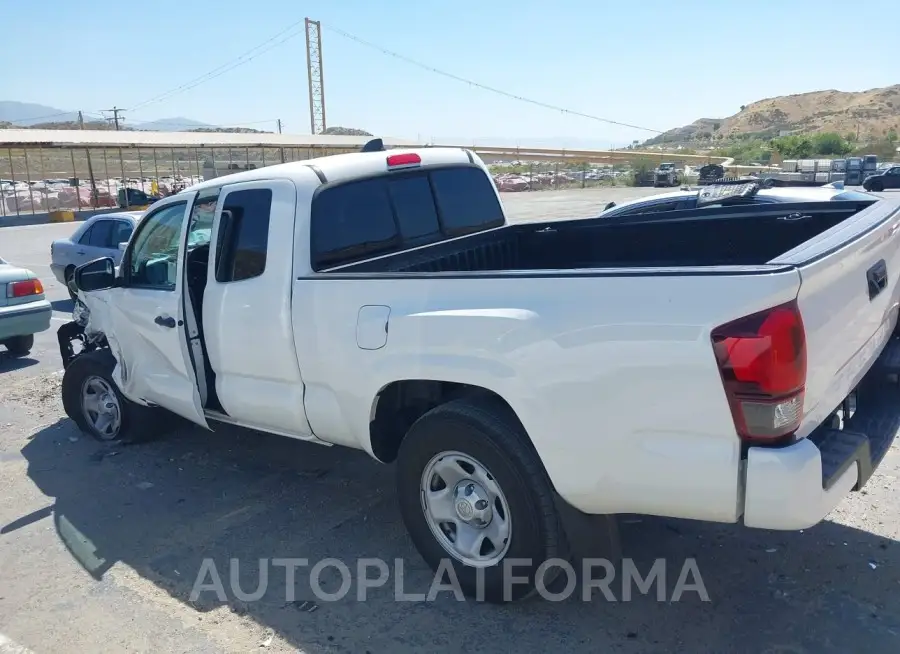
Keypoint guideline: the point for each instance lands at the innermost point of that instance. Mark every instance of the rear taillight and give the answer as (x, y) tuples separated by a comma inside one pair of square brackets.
[(24, 289), (762, 359)]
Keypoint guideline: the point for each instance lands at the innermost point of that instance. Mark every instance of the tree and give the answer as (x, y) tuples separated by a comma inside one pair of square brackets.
[(830, 143), (743, 106), (793, 146), (892, 136)]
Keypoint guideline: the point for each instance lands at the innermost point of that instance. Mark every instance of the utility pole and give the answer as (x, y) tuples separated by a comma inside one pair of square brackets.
[(279, 125), (115, 112), (87, 151)]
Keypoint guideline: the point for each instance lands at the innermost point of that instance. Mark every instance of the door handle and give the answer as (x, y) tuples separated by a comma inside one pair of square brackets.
[(79, 252), (876, 277), (167, 321)]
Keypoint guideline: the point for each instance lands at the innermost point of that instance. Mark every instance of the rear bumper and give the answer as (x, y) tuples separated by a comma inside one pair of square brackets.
[(59, 271), (796, 486), (24, 319)]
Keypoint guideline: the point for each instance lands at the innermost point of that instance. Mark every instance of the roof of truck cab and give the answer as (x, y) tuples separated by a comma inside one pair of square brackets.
[(341, 167)]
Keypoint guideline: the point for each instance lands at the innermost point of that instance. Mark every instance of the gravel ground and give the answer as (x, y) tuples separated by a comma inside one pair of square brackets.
[(100, 547)]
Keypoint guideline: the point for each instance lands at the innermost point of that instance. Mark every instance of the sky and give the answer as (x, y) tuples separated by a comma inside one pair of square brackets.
[(655, 64)]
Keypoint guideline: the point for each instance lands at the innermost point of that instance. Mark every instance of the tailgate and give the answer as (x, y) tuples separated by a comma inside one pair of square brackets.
[(850, 285)]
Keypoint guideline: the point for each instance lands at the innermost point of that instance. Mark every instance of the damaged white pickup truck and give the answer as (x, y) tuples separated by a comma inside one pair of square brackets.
[(723, 363)]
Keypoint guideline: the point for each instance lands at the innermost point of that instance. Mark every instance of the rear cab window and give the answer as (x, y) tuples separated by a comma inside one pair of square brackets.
[(360, 219)]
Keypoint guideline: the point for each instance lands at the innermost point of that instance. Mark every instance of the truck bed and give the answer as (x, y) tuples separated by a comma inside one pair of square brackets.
[(738, 235)]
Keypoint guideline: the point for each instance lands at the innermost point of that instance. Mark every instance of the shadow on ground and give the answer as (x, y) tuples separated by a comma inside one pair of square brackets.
[(163, 507), (8, 363)]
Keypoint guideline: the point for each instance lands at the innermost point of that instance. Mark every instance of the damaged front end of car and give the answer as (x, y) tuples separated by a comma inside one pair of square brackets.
[(78, 336)]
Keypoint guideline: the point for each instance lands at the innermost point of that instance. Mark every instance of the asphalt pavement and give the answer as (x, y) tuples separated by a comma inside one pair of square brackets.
[(101, 547)]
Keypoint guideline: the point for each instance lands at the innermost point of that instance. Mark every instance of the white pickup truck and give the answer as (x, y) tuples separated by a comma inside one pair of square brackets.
[(719, 363)]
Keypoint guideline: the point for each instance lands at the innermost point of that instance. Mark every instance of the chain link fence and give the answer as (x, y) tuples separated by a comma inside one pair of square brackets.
[(41, 180)]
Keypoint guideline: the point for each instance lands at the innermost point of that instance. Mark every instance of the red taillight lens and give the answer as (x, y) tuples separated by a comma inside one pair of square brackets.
[(409, 159), (762, 359), (23, 289)]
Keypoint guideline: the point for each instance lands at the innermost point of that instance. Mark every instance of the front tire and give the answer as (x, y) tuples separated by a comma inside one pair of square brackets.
[(91, 398), (473, 492), (19, 346), (876, 187)]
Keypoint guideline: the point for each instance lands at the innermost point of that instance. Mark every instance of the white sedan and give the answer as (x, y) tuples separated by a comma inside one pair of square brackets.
[(96, 237), (24, 311)]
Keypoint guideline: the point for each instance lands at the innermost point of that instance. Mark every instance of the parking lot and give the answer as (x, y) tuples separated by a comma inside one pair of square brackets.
[(100, 546)]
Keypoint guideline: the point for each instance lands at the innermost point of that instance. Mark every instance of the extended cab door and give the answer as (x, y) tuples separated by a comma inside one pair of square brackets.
[(146, 312), (247, 323)]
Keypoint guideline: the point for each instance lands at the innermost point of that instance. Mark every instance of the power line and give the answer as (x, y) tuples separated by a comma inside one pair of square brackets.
[(484, 87), (230, 65), (28, 120)]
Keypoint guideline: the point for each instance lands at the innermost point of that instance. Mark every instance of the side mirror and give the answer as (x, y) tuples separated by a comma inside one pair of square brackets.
[(95, 275)]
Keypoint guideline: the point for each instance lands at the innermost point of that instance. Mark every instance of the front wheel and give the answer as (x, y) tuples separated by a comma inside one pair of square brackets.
[(877, 187), (473, 493), (91, 398)]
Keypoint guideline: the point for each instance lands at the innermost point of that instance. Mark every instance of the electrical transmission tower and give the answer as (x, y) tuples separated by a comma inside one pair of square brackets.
[(314, 71)]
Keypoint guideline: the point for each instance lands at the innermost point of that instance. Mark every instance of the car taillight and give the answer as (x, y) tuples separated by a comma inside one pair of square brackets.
[(762, 359), (24, 289)]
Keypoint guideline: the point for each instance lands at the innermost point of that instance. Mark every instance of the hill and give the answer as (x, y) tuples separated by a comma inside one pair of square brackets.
[(870, 114)]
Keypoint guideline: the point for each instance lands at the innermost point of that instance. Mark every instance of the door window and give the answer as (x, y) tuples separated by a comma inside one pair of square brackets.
[(246, 242), (154, 255), (122, 233), (101, 234), (202, 214)]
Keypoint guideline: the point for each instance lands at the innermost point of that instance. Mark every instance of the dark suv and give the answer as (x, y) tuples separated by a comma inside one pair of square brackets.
[(884, 179)]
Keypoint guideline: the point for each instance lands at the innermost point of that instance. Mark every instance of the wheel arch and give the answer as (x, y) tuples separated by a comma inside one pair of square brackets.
[(398, 405)]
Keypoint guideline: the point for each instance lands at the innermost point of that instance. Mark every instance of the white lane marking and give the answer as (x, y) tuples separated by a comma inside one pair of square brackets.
[(9, 646), (60, 319)]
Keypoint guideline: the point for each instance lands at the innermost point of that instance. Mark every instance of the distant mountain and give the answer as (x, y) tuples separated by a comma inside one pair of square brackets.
[(28, 114), (872, 114), (178, 124)]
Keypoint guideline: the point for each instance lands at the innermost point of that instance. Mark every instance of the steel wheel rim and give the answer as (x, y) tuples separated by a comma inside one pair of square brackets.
[(465, 508), (101, 408)]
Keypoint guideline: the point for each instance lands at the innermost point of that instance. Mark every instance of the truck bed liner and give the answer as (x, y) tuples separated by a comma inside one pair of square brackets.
[(740, 235)]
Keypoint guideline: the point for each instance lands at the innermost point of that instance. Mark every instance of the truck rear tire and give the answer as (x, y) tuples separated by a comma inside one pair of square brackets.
[(473, 492), (91, 398)]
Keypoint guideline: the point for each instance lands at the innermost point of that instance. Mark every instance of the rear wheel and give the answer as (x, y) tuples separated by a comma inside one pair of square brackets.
[(19, 346), (473, 492), (92, 400)]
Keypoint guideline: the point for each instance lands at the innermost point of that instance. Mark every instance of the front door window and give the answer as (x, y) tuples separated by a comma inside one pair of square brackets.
[(154, 257)]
